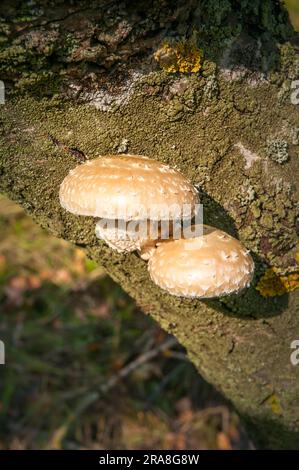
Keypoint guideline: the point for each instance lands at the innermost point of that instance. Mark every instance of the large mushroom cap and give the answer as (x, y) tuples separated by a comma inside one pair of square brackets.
[(126, 187), (212, 265)]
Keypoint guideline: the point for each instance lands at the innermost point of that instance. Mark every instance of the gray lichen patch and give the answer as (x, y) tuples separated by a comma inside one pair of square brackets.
[(277, 150), (247, 194), (110, 98), (211, 88)]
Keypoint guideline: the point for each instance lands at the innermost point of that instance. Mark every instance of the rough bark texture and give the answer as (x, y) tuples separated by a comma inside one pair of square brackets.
[(85, 73)]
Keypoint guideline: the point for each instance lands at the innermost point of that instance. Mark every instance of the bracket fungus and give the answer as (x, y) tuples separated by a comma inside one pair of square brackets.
[(119, 189), (212, 265)]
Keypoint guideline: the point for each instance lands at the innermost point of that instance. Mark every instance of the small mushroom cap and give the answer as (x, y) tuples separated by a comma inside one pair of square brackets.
[(130, 187), (212, 265)]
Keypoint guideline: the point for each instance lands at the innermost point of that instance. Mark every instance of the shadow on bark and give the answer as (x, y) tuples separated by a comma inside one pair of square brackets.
[(272, 434), (248, 303)]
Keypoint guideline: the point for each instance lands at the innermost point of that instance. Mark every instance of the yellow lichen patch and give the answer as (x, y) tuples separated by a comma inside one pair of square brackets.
[(273, 284), (297, 257), (184, 57), (274, 403)]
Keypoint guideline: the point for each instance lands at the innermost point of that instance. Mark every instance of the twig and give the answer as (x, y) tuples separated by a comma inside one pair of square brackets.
[(142, 359), (124, 372), (201, 415), (78, 154), (90, 398)]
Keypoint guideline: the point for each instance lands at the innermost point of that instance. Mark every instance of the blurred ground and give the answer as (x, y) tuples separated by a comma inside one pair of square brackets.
[(69, 332)]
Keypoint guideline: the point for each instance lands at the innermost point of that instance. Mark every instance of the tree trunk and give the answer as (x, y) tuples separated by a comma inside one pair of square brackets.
[(204, 86)]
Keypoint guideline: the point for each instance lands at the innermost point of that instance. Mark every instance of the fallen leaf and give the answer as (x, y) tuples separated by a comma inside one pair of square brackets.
[(223, 441)]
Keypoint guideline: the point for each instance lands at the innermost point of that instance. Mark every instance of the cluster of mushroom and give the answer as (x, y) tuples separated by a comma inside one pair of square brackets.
[(137, 202)]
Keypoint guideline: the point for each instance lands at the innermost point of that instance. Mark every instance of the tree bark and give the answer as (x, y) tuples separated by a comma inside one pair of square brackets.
[(106, 77)]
